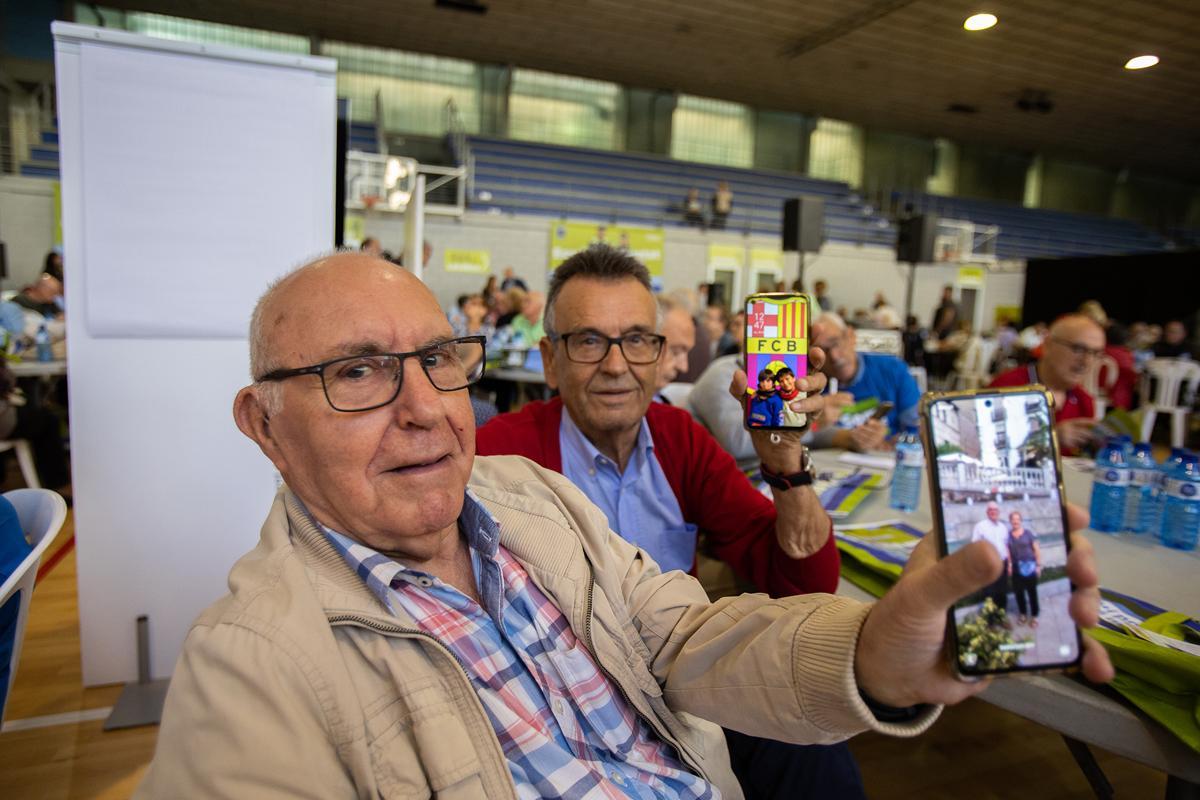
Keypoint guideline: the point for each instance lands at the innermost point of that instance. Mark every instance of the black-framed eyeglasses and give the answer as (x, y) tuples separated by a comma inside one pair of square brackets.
[(366, 382), (1078, 350), (591, 347)]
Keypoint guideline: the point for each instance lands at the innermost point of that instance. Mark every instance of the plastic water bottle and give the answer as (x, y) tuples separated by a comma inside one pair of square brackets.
[(1143, 477), (1108, 489), (42, 340), (1181, 509), (906, 477), (1152, 507)]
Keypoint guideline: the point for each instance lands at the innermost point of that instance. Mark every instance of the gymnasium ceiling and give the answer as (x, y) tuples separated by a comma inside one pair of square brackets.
[(891, 64)]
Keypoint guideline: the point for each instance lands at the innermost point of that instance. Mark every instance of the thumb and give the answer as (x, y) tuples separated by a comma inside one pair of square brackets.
[(945, 582), (737, 386)]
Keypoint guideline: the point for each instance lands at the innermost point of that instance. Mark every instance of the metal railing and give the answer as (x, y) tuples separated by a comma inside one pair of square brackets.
[(964, 476)]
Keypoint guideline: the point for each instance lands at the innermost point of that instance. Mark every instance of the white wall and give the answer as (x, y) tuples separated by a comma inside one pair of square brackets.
[(26, 226), (854, 273)]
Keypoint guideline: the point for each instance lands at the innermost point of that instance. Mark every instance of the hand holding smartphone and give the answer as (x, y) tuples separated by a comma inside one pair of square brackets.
[(777, 341), (995, 477)]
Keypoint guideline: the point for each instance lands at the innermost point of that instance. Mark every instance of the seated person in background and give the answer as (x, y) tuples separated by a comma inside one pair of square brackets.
[(456, 315), (412, 619), (722, 205), (372, 247), (528, 324), (511, 280), (53, 266), (510, 303), (866, 376), (914, 342), (680, 330), (42, 296), (474, 319), (660, 478), (1174, 342), (1071, 344), (693, 210), (821, 292), (1120, 395)]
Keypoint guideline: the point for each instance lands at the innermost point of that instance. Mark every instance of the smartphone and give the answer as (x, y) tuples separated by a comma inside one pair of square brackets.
[(995, 476), (883, 409), (777, 333)]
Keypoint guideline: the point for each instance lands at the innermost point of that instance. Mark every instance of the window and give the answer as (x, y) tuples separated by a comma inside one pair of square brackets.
[(191, 30), (559, 109), (835, 152), (712, 131)]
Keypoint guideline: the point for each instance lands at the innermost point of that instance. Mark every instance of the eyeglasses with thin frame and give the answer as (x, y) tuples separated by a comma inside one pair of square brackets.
[(1078, 350), (369, 381), (591, 347)]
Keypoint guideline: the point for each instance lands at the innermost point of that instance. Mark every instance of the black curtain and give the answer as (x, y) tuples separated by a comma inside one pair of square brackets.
[(1151, 287)]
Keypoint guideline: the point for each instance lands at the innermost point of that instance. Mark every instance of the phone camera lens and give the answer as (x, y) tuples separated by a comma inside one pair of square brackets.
[(987, 403)]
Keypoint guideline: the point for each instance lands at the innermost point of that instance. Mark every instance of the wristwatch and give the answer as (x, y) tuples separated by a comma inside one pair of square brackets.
[(804, 477)]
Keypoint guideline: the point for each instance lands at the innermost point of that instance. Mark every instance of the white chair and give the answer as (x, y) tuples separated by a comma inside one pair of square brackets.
[(1174, 391), (24, 460), (41, 513), (678, 393), (973, 368), (1105, 365)]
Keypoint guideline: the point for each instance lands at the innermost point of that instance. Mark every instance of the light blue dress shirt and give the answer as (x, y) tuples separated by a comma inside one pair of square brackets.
[(639, 503)]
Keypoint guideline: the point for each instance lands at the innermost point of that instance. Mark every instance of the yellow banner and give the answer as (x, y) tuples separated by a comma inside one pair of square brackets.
[(763, 258), (971, 276), (726, 256), (644, 244), (478, 262), (776, 346)]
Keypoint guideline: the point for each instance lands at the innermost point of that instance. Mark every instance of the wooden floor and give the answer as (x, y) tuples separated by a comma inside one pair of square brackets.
[(975, 751)]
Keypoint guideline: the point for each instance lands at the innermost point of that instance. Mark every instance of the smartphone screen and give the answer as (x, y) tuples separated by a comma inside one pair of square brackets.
[(996, 479), (777, 334)]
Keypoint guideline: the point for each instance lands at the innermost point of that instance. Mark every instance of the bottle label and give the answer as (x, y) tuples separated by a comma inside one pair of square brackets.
[(1182, 490), (1112, 476), (1144, 477)]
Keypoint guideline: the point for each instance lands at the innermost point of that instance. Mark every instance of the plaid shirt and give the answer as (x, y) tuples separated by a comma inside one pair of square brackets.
[(564, 729)]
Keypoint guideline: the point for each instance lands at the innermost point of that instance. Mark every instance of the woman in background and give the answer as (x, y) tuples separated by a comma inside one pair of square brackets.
[(1024, 569)]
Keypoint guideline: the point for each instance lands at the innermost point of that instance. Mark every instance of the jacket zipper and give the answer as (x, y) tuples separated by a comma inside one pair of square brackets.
[(658, 727)]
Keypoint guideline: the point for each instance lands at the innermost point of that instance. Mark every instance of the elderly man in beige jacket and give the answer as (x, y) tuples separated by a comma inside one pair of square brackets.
[(416, 621)]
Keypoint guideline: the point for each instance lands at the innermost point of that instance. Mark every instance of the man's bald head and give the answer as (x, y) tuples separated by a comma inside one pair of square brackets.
[(294, 298), (1071, 344)]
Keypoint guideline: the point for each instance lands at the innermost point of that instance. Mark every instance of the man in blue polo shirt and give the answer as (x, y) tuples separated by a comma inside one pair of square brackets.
[(866, 376)]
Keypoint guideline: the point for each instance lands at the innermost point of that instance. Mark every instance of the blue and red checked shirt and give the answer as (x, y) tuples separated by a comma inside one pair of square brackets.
[(564, 728)]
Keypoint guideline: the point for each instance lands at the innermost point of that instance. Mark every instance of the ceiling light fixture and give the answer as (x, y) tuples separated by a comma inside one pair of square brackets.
[(980, 22), (1141, 62)]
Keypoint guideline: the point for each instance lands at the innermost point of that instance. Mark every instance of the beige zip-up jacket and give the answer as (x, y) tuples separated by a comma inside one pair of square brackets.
[(301, 684)]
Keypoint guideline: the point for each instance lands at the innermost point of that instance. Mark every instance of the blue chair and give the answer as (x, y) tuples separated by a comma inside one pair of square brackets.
[(40, 514)]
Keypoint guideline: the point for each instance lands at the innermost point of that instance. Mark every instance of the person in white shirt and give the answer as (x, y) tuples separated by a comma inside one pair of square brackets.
[(995, 533)]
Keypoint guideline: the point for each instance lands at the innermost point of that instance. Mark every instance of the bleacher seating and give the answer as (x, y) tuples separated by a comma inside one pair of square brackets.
[(1033, 232), (43, 157), (549, 180), (363, 137)]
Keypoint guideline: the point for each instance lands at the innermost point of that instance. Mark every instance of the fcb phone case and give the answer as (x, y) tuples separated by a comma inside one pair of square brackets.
[(777, 334)]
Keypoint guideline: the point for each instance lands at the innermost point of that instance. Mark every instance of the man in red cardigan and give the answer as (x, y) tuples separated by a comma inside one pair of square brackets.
[(660, 477)]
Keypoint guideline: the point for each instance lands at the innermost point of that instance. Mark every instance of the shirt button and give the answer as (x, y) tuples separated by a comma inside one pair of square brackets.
[(559, 709), (617, 778), (426, 582), (591, 471)]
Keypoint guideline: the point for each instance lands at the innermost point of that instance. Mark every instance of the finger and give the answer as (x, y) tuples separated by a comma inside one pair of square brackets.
[(1077, 519), (808, 405), (813, 383), (1081, 563), (816, 358), (968, 570), (1097, 666), (924, 554), (1084, 607)]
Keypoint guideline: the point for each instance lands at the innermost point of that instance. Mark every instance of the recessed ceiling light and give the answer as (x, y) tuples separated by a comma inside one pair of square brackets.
[(1141, 62), (980, 22)]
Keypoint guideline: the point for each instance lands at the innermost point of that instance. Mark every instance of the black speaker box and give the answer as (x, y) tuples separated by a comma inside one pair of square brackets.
[(915, 239), (803, 224)]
